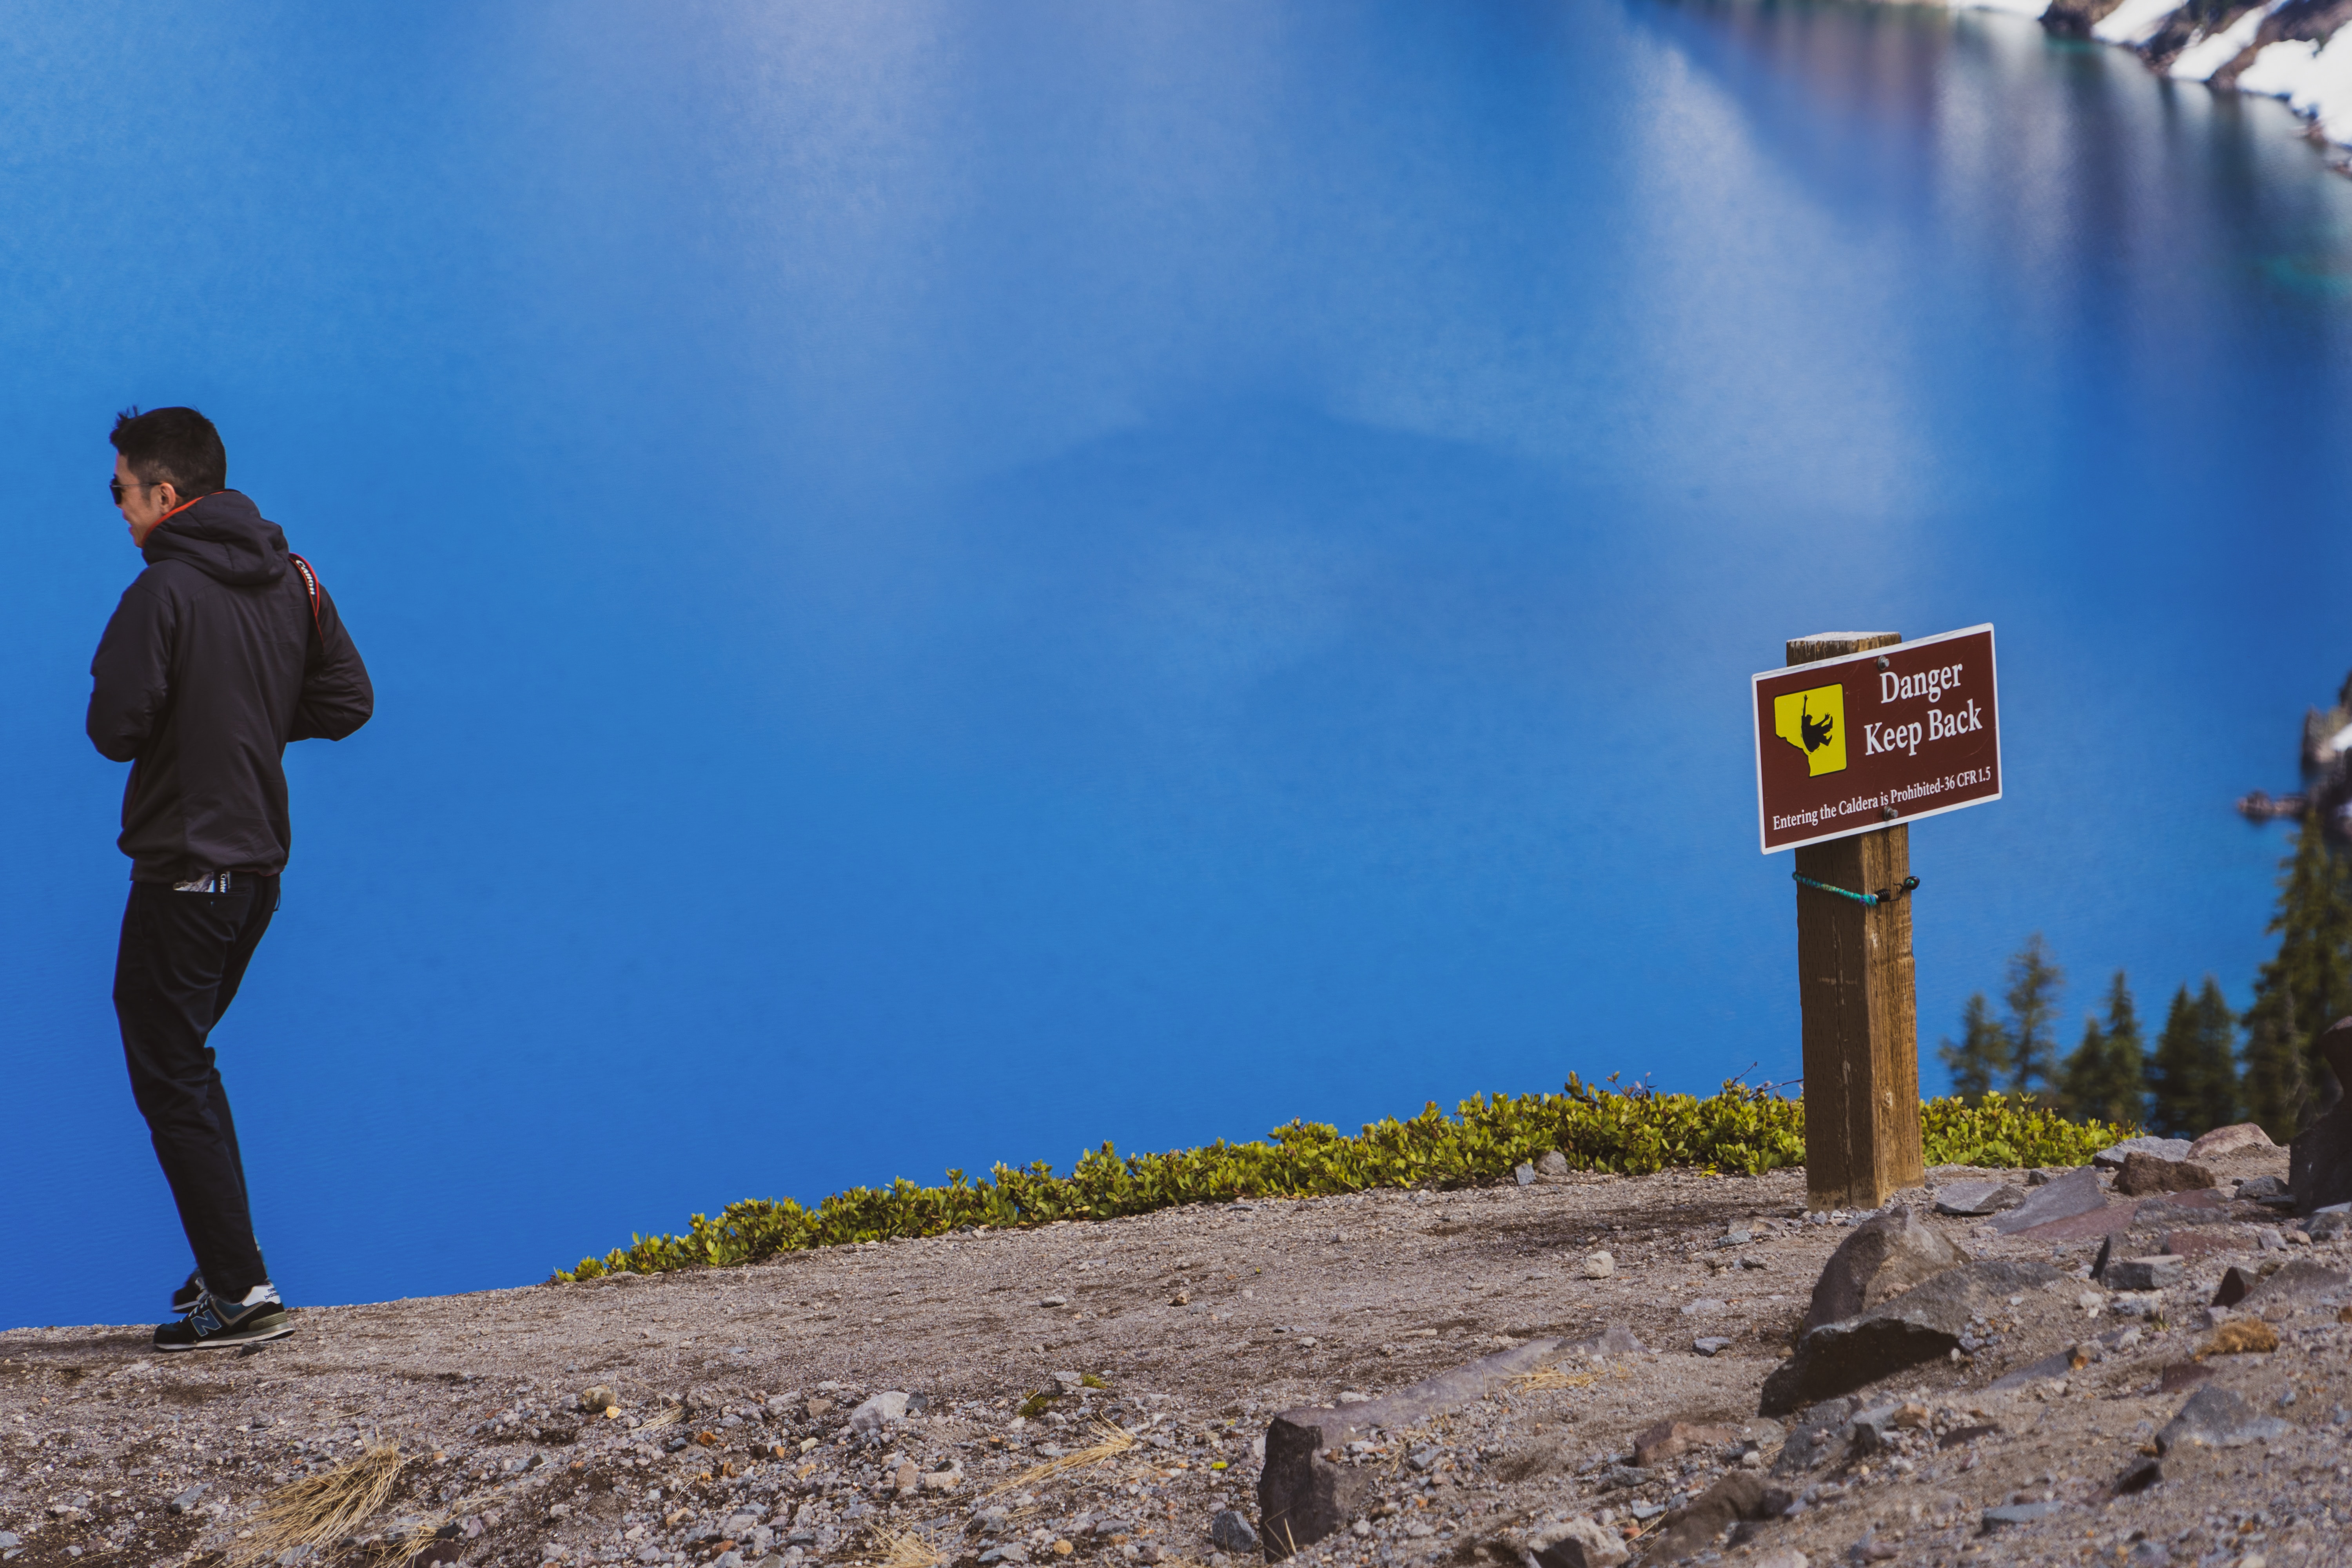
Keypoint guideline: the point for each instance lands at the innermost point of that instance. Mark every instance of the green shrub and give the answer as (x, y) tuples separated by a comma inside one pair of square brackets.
[(1632, 1130)]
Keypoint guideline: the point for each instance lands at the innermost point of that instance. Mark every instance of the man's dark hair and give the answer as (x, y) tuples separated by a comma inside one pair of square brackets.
[(175, 444)]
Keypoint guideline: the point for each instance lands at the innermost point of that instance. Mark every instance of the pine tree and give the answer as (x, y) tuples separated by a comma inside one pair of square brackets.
[(1980, 1060), (2032, 999), (2302, 990), (2192, 1079), (2104, 1077)]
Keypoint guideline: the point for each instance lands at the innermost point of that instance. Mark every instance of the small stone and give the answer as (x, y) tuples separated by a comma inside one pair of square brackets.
[(1600, 1266), (1232, 1531), (1711, 1346), (2236, 1284), (1063, 1548), (1053, 1301), (2217, 1417), (598, 1398), (2261, 1187), (2139, 1476), (1361, 1528), (1525, 1174), (182, 1503), (884, 1410), (2230, 1138), (1552, 1167), (2158, 1272), (1994, 1519), (1788, 1557), (1706, 1306), (2268, 1238), (2143, 1174), (1664, 1440), (2150, 1554), (1578, 1543)]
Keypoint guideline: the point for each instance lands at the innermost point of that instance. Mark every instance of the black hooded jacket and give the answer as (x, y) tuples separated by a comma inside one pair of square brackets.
[(211, 664)]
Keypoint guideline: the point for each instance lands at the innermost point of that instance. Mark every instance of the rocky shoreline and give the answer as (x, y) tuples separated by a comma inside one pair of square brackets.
[(2299, 51), (1575, 1369)]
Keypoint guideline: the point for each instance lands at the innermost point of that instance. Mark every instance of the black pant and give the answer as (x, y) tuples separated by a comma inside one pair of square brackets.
[(181, 957)]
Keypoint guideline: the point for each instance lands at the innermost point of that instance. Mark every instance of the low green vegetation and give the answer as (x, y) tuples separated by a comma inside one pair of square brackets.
[(1629, 1129)]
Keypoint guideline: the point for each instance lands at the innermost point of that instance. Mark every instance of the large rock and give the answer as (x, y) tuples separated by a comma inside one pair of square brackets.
[(2319, 1161), (2301, 1277), (1921, 1325), (1970, 1199), (2217, 1417), (2115, 1154), (1303, 1496), (2144, 1174), (2244, 1135), (2075, 1193), (1883, 1257)]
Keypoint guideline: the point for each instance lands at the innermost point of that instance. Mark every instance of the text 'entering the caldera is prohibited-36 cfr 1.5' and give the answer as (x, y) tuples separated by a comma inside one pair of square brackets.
[(1848, 745)]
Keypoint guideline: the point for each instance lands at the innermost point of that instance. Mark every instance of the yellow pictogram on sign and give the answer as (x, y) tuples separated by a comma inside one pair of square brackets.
[(1814, 722)]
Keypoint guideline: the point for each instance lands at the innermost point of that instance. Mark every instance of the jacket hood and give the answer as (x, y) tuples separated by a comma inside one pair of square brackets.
[(223, 535)]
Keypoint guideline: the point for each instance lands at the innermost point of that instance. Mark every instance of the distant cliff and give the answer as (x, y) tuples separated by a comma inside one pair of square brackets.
[(2299, 50)]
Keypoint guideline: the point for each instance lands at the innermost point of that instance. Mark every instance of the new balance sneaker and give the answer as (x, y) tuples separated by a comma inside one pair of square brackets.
[(190, 1295), (220, 1325)]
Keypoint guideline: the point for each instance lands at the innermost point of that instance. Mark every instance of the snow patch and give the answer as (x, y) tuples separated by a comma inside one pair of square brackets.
[(2200, 59), (2134, 21), (2316, 79)]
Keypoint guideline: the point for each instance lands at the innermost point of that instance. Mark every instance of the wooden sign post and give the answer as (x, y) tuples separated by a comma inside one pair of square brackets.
[(1872, 731)]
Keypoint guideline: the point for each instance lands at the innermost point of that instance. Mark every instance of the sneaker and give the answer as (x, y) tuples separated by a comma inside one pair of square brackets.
[(190, 1295), (218, 1325)]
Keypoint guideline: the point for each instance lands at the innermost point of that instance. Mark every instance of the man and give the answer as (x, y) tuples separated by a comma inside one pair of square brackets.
[(224, 650)]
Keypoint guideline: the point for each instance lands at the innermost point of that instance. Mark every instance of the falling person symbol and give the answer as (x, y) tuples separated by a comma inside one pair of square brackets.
[(1812, 721)]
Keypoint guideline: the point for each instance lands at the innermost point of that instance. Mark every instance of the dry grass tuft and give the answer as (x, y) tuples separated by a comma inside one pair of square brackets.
[(905, 1549), (1109, 1443), (1561, 1377), (1557, 1377), (319, 1511), (669, 1417)]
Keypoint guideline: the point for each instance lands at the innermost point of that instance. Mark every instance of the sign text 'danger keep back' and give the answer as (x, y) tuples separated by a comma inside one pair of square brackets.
[(1844, 745)]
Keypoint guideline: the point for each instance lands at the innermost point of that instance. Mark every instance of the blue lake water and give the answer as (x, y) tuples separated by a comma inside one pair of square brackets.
[(949, 583)]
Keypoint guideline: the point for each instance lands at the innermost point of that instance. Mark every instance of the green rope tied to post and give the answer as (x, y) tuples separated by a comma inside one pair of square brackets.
[(1868, 901)]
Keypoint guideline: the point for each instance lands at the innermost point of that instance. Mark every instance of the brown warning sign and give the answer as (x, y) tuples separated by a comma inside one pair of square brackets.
[(1898, 733)]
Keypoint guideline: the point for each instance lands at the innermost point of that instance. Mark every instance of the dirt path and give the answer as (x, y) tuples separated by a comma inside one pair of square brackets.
[(1199, 1324)]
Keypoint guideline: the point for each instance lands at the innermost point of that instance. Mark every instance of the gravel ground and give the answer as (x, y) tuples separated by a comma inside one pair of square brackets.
[(721, 1429)]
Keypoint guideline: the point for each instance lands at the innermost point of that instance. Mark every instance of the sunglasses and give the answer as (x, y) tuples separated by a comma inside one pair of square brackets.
[(114, 488)]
